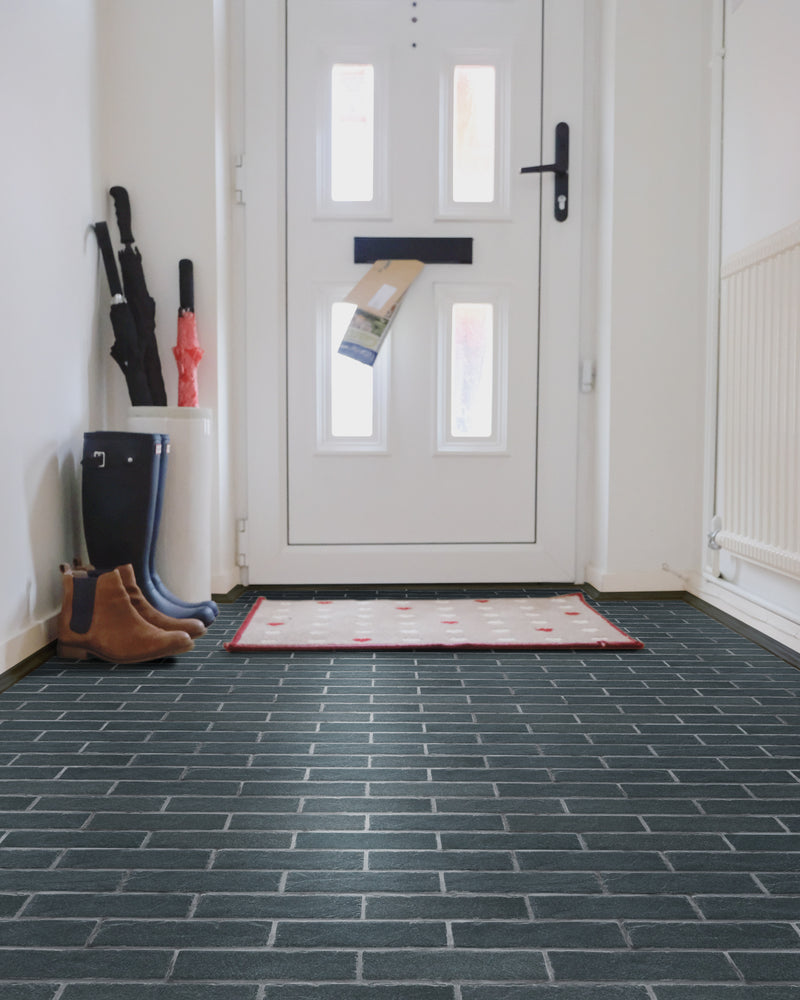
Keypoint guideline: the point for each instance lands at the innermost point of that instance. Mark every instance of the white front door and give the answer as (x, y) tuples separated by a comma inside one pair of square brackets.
[(453, 458)]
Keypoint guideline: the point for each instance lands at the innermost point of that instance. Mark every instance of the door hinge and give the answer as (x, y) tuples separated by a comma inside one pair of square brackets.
[(239, 179), (241, 542), (588, 372)]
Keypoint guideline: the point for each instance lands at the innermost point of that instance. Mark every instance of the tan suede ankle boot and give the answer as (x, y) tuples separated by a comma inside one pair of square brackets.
[(98, 619), (192, 626)]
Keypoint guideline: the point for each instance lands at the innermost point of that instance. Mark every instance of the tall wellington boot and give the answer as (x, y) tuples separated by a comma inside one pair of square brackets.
[(158, 583), (191, 626), (97, 619), (119, 492)]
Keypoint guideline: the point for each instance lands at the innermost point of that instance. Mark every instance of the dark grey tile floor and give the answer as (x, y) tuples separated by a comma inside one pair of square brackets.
[(407, 826)]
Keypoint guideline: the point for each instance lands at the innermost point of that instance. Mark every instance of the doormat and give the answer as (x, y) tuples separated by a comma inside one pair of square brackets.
[(565, 622)]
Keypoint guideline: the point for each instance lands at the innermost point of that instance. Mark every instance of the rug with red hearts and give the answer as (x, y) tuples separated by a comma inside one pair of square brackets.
[(564, 622)]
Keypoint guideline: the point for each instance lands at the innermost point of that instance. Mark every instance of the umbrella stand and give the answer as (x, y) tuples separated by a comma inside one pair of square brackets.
[(126, 349), (187, 351), (142, 305)]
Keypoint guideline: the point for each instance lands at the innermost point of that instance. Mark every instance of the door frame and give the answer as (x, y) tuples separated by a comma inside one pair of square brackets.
[(266, 557)]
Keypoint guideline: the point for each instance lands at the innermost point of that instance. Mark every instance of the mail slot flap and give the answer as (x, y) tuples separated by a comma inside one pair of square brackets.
[(428, 249)]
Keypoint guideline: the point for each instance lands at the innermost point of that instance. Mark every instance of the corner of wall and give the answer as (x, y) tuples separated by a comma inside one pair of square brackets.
[(651, 294)]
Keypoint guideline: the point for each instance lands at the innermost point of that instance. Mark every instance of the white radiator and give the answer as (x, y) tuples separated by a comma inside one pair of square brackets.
[(758, 500)]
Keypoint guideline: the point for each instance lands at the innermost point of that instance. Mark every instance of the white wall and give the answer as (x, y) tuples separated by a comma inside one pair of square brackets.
[(48, 198), (762, 127), (651, 314)]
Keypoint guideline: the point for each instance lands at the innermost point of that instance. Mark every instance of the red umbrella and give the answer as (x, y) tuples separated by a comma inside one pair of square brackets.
[(187, 351)]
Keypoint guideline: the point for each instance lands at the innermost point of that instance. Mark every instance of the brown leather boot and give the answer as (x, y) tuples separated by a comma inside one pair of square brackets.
[(98, 619), (192, 626)]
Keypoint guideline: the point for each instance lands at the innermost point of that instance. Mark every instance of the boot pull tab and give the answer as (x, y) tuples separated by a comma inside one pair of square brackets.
[(99, 460)]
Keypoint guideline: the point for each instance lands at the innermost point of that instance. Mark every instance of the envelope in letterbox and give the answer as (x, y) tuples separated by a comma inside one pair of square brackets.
[(377, 298)]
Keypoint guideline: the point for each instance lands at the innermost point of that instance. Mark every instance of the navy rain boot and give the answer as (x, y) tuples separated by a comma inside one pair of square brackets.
[(158, 583), (119, 491)]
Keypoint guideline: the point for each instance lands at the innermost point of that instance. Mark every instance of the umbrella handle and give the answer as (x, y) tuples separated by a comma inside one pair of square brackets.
[(186, 284), (106, 249), (122, 206)]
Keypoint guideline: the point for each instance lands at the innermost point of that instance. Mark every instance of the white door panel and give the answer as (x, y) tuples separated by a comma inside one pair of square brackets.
[(412, 489)]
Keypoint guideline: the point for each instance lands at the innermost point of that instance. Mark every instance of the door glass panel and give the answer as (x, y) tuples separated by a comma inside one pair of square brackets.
[(473, 133), (351, 383), (352, 132), (471, 370)]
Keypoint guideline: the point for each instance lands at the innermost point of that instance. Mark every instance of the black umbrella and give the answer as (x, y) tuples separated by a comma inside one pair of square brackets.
[(126, 349), (143, 306)]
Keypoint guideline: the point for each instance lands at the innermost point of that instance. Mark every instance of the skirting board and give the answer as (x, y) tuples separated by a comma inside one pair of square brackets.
[(10, 676), (768, 623), (27, 644), (657, 581), (224, 582)]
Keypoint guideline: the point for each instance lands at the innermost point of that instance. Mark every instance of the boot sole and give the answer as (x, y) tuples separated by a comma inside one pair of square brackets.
[(69, 652)]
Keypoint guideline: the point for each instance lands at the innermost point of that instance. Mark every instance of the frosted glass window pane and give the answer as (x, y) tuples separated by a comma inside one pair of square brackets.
[(471, 369), (352, 132), (473, 133), (351, 383)]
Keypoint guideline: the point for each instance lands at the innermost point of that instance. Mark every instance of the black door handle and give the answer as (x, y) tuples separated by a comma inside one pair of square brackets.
[(561, 171)]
